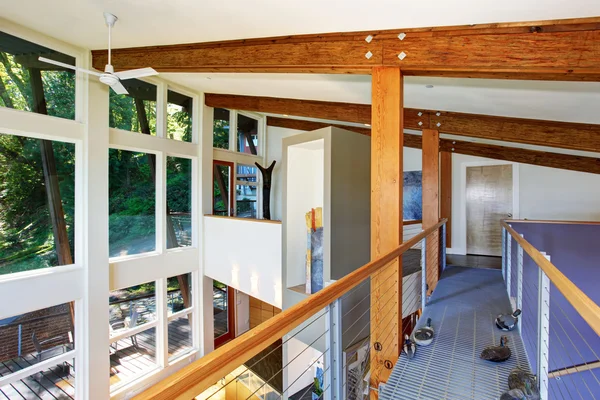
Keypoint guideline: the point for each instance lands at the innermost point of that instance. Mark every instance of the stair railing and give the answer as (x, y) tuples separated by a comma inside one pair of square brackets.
[(559, 325), (327, 335)]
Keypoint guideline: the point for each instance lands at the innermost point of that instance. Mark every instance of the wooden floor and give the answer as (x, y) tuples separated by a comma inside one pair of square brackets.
[(127, 362)]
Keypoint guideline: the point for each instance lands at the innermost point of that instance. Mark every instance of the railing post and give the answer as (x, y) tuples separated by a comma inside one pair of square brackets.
[(508, 262), (20, 332), (520, 279), (444, 246), (423, 273), (543, 330), (334, 357), (504, 253)]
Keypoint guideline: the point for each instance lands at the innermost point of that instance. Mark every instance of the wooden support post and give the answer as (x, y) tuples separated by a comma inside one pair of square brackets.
[(446, 193), (431, 202), (386, 219)]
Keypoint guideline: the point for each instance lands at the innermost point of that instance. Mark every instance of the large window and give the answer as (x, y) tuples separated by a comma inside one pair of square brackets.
[(31, 85), (37, 203), (222, 183), (132, 323), (136, 111), (179, 306), (179, 202), (179, 116), (132, 223), (221, 128), (247, 135), (246, 191), (223, 306), (35, 337)]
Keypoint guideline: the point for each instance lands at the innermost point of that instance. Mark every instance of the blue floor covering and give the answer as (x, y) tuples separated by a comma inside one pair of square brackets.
[(463, 309)]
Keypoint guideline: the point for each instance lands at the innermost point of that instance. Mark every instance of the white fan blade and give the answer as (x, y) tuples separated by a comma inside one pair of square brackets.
[(119, 88), (61, 64), (136, 73)]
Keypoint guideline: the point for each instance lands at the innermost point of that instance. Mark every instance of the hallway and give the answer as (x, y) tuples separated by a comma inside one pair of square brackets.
[(462, 308)]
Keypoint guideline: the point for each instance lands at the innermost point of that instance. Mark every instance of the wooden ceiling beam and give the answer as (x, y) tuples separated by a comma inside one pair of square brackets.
[(565, 135), (524, 156), (548, 50)]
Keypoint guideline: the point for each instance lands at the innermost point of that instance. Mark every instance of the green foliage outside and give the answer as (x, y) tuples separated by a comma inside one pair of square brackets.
[(26, 237)]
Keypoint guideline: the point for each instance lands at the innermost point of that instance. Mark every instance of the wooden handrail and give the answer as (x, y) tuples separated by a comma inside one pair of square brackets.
[(588, 310), (195, 378), (549, 221), (412, 222)]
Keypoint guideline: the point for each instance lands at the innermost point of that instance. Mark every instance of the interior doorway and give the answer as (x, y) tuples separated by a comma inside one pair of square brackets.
[(489, 199)]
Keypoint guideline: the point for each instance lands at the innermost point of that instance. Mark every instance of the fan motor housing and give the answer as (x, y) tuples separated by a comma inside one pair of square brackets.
[(108, 79)]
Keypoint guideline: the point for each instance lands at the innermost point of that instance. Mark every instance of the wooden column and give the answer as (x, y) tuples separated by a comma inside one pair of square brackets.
[(431, 201), (446, 193), (386, 219)]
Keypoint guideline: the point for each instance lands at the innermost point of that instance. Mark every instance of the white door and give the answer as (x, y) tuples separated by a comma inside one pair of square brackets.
[(489, 200)]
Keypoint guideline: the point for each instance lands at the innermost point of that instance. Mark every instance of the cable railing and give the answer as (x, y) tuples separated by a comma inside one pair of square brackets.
[(326, 340), (559, 324)]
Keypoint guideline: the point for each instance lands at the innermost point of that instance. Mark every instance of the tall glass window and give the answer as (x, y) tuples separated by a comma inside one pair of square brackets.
[(247, 135), (179, 116), (136, 111), (132, 198), (179, 202), (31, 85), (221, 125), (37, 203)]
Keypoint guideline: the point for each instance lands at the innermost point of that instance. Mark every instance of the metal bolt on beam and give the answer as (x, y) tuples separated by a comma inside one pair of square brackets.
[(438, 113), (402, 55), (438, 124), (402, 36), (368, 39), (419, 113), (369, 55)]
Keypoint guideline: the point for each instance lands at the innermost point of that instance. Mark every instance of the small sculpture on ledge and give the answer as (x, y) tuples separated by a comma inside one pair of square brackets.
[(266, 174)]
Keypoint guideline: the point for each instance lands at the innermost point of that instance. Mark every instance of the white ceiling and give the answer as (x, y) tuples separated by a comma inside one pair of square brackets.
[(153, 22)]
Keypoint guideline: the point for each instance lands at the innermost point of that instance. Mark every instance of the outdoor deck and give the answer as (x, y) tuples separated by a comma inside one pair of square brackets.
[(462, 309), (127, 362)]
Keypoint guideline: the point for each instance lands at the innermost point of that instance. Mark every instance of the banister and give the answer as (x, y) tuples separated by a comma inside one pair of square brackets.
[(198, 376), (588, 310)]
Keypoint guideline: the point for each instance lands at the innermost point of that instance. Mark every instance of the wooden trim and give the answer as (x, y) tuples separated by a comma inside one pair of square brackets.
[(386, 216), (538, 221), (446, 193), (196, 377), (585, 306), (266, 221), (411, 222), (431, 201), (524, 156), (567, 135), (574, 369), (549, 50)]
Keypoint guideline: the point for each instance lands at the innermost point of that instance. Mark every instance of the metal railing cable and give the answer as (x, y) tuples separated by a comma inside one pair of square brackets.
[(567, 362)]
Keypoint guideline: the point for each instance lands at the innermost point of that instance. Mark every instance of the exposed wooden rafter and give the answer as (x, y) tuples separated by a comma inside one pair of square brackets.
[(566, 135), (533, 157), (549, 50)]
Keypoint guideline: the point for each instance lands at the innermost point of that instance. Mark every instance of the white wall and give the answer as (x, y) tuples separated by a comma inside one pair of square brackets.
[(300, 369), (245, 255), (306, 175), (543, 193), (275, 135), (242, 313)]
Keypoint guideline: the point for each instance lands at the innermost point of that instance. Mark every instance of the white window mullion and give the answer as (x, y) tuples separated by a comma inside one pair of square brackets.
[(232, 130), (161, 109), (162, 334), (161, 202)]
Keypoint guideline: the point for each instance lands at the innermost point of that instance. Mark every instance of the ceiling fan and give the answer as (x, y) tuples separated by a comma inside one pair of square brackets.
[(109, 77)]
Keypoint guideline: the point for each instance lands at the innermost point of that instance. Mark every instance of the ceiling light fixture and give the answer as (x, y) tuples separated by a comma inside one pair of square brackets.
[(367, 124), (285, 115)]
